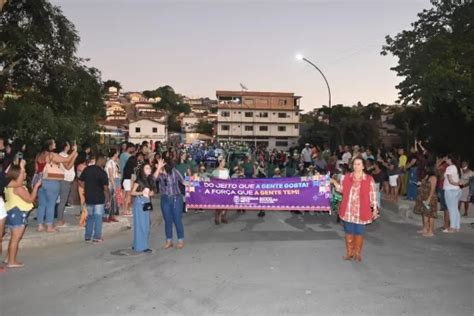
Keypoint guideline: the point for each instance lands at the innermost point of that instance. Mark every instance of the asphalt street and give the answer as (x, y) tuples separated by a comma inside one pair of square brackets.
[(283, 264)]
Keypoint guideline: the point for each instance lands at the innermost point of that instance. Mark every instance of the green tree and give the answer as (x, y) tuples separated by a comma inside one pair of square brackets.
[(204, 127), (46, 90), (170, 102), (436, 63), (348, 125), (111, 83)]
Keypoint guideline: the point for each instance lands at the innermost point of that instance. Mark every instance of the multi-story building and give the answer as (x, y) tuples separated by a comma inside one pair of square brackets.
[(258, 118)]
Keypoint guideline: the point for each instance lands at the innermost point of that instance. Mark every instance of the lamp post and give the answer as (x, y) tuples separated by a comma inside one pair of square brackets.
[(301, 57)]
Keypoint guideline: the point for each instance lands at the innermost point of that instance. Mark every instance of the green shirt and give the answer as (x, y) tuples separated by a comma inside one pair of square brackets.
[(183, 168)]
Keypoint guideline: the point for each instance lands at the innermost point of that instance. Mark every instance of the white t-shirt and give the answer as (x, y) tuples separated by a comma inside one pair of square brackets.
[(69, 174), (112, 165), (221, 174), (346, 158), (453, 171)]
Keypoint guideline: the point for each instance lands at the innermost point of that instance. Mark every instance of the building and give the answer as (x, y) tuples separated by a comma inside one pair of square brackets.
[(133, 97), (115, 112), (201, 105), (258, 118), (147, 129), (144, 107)]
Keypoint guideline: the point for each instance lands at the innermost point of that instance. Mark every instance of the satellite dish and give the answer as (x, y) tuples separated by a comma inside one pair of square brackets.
[(244, 88)]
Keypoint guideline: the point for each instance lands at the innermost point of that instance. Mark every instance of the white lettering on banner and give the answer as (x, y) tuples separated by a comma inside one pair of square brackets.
[(291, 185)]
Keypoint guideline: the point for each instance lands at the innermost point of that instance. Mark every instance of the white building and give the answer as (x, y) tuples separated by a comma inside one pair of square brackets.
[(115, 112), (147, 129), (189, 123), (259, 118)]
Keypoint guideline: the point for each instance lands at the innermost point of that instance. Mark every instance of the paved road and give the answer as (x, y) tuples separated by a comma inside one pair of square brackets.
[(280, 265)]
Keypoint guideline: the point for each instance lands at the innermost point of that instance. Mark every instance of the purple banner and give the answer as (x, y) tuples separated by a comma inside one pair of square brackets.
[(275, 194)]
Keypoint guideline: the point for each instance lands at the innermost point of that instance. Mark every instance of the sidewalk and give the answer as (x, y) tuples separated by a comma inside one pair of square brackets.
[(71, 233), (404, 208)]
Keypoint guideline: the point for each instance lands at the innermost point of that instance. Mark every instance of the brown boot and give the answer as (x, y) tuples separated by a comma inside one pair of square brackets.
[(358, 243), (349, 247)]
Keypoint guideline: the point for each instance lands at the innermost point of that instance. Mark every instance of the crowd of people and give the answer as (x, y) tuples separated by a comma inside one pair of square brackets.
[(124, 182)]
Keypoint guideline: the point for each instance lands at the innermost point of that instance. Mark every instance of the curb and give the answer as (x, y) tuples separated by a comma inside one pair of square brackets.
[(66, 235)]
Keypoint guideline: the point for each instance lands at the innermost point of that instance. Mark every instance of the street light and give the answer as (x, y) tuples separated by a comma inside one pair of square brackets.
[(301, 57)]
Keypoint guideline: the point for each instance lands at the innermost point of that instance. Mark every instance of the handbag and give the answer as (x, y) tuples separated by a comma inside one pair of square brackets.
[(147, 207), (52, 171)]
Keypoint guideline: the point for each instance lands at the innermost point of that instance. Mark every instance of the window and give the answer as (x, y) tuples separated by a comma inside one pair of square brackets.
[(225, 127), (282, 102), (282, 128), (263, 128), (248, 102), (263, 101), (155, 130), (248, 128), (248, 114), (263, 114), (281, 144), (282, 115), (296, 126), (137, 129), (225, 113)]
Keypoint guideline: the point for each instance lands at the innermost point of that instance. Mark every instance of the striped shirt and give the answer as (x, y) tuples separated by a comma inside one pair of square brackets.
[(169, 182)]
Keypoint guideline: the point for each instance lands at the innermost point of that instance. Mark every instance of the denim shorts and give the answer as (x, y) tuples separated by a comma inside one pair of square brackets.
[(16, 218), (353, 228)]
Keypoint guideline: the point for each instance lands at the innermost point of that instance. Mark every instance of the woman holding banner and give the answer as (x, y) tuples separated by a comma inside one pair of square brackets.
[(221, 172), (358, 208)]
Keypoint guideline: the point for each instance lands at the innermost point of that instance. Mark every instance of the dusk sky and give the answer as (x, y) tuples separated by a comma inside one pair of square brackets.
[(199, 47)]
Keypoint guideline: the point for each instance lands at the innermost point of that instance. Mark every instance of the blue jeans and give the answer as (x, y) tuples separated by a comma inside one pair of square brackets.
[(141, 224), (452, 201), (412, 187), (94, 221), (354, 229), (47, 197), (172, 210)]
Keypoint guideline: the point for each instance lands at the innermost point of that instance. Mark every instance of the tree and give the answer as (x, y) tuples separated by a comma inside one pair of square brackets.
[(348, 125), (47, 90), (111, 83), (436, 63), (170, 102), (204, 127)]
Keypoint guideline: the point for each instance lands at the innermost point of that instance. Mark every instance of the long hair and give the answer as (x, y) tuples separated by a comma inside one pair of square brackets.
[(169, 165), (143, 180)]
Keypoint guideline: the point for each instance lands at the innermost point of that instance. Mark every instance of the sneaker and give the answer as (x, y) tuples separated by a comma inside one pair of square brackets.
[(97, 241), (148, 250)]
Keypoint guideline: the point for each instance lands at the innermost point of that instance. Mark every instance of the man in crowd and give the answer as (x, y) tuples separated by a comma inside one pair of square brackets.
[(306, 156), (95, 182)]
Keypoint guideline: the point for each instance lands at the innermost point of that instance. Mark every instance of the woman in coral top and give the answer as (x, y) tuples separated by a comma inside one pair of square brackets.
[(358, 208)]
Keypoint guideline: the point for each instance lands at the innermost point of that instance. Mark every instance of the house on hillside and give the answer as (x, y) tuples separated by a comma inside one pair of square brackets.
[(147, 129), (134, 97), (115, 113)]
